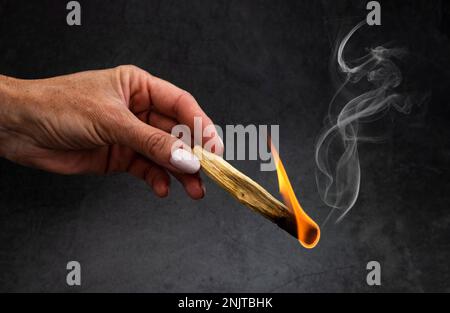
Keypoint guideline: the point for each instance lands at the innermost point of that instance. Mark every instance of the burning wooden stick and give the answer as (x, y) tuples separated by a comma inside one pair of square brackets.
[(250, 193)]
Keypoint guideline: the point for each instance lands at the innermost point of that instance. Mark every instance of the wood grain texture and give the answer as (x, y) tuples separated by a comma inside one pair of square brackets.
[(246, 190)]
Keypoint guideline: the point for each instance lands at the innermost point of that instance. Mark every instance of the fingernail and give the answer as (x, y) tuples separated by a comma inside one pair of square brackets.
[(185, 161), (161, 189), (221, 142), (203, 188), (219, 147)]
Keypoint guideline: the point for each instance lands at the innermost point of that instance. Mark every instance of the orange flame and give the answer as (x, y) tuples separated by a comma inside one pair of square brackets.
[(308, 232)]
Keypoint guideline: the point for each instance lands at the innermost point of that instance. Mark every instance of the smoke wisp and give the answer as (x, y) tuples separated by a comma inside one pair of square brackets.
[(338, 173)]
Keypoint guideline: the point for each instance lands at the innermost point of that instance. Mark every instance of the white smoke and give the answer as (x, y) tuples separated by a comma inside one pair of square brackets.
[(338, 173)]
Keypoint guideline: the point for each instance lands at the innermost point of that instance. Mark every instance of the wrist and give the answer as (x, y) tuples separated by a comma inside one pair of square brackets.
[(11, 102)]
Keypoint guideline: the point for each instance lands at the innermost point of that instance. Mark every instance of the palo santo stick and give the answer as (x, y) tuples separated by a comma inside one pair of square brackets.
[(246, 190)]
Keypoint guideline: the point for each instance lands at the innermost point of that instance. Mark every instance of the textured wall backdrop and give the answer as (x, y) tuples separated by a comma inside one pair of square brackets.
[(259, 62)]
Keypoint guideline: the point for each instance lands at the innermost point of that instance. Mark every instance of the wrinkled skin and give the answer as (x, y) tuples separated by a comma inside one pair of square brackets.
[(113, 120)]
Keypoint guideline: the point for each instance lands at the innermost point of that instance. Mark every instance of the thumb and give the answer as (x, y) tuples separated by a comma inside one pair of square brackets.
[(159, 146)]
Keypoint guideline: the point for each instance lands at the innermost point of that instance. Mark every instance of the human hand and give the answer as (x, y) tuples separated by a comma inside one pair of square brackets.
[(113, 120)]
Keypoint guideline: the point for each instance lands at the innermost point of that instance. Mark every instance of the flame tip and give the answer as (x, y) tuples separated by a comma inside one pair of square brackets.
[(308, 232)]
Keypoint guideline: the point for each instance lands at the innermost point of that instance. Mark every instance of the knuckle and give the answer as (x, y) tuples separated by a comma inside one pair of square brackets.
[(185, 98), (128, 68), (155, 143)]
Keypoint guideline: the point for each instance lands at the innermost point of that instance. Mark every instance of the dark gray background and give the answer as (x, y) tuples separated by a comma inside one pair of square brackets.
[(260, 62)]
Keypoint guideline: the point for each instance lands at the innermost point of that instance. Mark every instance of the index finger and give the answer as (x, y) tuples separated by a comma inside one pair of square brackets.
[(180, 105)]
